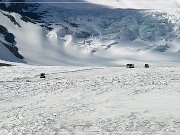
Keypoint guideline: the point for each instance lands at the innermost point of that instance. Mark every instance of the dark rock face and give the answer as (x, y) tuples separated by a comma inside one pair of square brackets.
[(13, 50), (9, 37), (19, 7), (14, 5), (3, 30), (2, 5), (12, 19)]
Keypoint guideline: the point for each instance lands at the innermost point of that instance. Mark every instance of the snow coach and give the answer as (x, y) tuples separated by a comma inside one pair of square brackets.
[(130, 66), (42, 75), (146, 66)]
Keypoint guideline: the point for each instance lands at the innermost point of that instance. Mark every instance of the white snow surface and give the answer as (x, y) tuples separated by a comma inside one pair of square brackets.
[(89, 101)]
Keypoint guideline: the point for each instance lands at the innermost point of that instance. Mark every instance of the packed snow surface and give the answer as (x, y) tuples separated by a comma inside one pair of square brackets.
[(85, 100)]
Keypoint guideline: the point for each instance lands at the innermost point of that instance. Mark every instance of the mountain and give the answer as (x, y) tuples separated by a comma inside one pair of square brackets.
[(89, 32)]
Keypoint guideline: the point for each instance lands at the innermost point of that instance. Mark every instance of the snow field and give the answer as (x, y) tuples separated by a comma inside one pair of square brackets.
[(85, 100)]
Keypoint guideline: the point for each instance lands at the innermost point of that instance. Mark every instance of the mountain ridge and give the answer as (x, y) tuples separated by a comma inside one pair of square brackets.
[(92, 36)]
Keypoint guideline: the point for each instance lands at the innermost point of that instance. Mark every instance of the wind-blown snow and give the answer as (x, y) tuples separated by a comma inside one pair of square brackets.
[(74, 100)]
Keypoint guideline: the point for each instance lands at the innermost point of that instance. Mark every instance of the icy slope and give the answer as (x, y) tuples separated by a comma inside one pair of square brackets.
[(88, 100), (53, 34), (42, 47)]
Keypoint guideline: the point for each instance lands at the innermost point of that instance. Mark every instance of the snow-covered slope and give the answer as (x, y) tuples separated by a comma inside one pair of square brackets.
[(93, 101), (83, 33)]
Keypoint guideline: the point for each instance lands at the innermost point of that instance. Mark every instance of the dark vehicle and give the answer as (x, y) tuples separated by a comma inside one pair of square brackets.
[(42, 75), (4, 64), (146, 66), (130, 66)]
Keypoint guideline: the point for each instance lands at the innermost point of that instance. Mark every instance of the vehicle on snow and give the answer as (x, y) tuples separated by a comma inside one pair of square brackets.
[(130, 66)]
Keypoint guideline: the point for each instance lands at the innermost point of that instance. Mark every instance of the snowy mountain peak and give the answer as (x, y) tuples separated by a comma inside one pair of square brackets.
[(89, 33)]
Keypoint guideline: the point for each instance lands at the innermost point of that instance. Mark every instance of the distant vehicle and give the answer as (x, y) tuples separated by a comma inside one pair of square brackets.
[(146, 66), (42, 75), (130, 66), (4, 64)]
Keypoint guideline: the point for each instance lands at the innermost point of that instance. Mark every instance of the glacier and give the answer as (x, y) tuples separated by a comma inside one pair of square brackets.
[(88, 33)]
